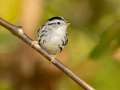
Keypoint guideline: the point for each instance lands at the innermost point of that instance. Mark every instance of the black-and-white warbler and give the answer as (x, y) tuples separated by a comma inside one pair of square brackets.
[(52, 36)]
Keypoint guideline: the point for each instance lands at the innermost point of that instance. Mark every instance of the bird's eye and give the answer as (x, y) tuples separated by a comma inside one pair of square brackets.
[(58, 22)]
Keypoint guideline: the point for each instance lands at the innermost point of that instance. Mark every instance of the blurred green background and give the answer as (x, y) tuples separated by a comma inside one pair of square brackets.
[(93, 51)]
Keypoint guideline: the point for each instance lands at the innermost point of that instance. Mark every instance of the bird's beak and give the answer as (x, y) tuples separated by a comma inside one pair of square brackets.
[(68, 23)]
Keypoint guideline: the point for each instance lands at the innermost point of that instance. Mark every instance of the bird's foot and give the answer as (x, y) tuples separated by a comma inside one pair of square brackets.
[(35, 43), (53, 58)]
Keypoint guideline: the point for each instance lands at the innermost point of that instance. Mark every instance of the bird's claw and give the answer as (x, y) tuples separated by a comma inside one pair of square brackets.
[(35, 43)]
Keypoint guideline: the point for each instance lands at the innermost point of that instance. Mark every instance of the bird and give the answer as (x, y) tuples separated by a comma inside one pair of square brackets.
[(52, 36)]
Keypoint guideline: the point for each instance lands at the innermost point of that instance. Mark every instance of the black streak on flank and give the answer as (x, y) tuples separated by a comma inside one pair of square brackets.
[(41, 35), (60, 49), (57, 17), (43, 31)]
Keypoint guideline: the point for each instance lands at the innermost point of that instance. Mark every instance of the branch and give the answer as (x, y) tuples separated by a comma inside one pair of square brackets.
[(18, 31)]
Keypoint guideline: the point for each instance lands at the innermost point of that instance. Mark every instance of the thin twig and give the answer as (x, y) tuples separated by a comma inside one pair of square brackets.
[(17, 31)]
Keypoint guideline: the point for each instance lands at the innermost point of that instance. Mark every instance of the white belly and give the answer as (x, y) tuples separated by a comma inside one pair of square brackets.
[(52, 43), (53, 40)]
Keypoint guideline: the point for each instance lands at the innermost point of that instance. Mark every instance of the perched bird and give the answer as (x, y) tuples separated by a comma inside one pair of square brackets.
[(52, 36)]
